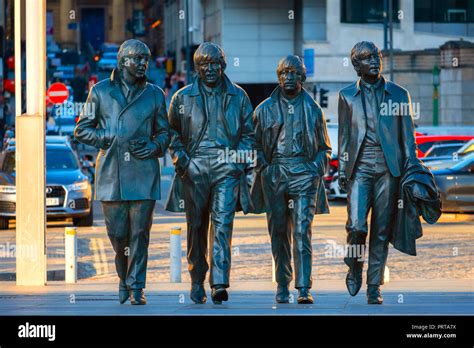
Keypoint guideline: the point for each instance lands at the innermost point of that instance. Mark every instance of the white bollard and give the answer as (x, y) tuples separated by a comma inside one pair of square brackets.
[(386, 275), (175, 255), (70, 251), (273, 271)]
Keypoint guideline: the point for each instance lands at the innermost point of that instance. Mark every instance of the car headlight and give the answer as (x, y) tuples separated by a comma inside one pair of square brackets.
[(78, 186), (7, 189)]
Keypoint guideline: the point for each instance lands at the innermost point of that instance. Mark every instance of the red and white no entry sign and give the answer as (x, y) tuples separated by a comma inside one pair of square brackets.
[(57, 93)]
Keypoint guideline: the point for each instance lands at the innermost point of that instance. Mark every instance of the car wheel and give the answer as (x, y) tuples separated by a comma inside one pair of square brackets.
[(4, 223), (86, 220)]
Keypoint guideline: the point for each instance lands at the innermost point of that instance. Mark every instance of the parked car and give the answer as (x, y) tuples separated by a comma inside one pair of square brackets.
[(455, 180), (464, 150), (439, 150), (108, 61), (68, 190), (424, 142)]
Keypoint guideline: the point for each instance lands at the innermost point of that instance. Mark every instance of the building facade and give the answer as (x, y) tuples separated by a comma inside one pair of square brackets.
[(256, 34)]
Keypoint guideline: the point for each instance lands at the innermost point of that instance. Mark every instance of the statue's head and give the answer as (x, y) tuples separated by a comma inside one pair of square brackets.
[(366, 58), (291, 73), (132, 58), (209, 63)]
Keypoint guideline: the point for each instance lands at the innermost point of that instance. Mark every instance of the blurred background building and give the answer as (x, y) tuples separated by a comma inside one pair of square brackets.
[(432, 52)]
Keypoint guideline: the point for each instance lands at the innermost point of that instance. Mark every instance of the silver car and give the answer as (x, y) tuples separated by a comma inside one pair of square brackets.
[(68, 190)]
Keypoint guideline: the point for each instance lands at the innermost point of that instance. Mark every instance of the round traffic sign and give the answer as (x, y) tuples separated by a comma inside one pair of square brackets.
[(57, 93)]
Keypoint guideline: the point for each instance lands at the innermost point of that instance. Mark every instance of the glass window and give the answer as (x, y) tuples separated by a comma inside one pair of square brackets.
[(365, 11), (444, 11), (55, 160)]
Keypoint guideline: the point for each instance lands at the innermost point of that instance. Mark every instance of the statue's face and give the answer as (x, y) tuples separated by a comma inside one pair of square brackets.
[(210, 72), (290, 80), (370, 65), (136, 64)]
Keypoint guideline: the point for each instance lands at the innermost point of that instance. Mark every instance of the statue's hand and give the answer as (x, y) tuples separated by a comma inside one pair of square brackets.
[(105, 138), (343, 182), (143, 148)]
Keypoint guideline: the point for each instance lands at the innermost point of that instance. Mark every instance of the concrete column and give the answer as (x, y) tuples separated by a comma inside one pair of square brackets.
[(407, 24), (118, 21), (30, 149), (66, 35)]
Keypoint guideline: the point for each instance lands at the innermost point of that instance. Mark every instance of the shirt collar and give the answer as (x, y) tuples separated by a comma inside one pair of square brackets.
[(217, 90), (386, 85)]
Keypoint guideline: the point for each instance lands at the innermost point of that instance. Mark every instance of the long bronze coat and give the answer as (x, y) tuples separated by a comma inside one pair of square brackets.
[(188, 119), (119, 175), (268, 121), (395, 128)]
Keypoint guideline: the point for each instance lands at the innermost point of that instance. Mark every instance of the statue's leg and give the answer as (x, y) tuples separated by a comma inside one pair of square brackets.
[(359, 201), (383, 214), (141, 219), (303, 195), (197, 207), (118, 226), (278, 220), (224, 196)]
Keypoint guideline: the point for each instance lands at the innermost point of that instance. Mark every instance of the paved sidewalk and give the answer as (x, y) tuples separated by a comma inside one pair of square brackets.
[(402, 297)]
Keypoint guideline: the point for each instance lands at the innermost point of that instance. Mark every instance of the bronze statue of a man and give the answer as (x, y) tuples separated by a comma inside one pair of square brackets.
[(374, 144), (293, 152), (210, 116), (130, 127)]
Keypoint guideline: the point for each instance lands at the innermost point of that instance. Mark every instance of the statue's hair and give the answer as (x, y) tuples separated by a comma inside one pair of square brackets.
[(293, 62), (362, 49), (129, 48), (208, 51)]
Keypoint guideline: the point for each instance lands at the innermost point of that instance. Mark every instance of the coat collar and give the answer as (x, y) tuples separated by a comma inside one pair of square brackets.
[(116, 92), (116, 79), (275, 95), (229, 87), (387, 86)]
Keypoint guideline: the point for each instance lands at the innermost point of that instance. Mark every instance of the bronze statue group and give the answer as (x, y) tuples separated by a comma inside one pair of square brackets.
[(377, 166)]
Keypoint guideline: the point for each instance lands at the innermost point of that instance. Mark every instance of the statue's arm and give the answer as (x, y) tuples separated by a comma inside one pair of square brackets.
[(177, 149), (343, 134), (161, 134), (86, 130), (408, 132), (324, 145), (257, 126), (247, 135)]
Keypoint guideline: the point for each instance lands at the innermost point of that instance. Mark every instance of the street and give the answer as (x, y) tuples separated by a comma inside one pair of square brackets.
[(437, 281)]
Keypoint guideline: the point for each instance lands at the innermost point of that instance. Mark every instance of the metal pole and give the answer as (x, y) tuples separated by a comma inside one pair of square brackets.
[(175, 255), (70, 252), (390, 20), (188, 49), (386, 275), (385, 25), (273, 271)]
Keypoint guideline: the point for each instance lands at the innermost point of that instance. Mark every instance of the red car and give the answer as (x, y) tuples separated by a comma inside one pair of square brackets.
[(424, 142)]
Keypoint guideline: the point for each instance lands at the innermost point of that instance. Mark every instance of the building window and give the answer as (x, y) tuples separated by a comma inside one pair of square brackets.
[(139, 22), (444, 11), (365, 11)]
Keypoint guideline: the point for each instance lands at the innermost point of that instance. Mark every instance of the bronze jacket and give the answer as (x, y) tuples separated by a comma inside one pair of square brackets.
[(394, 127), (268, 121), (188, 121), (119, 175)]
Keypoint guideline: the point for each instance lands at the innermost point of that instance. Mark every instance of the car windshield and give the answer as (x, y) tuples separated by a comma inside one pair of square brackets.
[(436, 151), (55, 160)]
